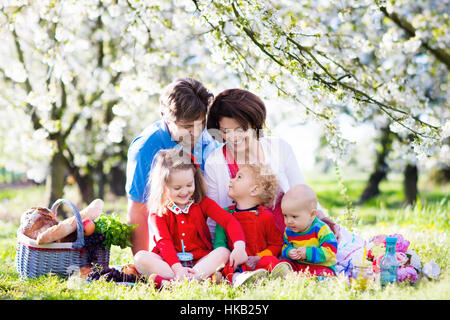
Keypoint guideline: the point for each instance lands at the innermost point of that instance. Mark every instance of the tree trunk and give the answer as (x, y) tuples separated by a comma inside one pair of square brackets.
[(85, 186), (443, 174), (55, 181), (101, 181), (117, 180), (380, 169), (410, 183)]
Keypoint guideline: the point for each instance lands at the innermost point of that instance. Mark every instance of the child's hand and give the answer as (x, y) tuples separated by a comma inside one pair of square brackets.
[(301, 253), (293, 254), (182, 272), (297, 254), (238, 256), (253, 261)]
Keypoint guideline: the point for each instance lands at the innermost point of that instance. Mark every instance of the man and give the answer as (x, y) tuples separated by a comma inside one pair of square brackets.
[(184, 105)]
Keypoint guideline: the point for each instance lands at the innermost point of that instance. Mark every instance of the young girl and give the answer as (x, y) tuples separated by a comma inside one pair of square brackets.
[(178, 211)]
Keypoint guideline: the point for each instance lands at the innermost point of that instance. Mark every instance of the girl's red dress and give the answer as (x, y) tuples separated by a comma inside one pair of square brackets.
[(170, 228)]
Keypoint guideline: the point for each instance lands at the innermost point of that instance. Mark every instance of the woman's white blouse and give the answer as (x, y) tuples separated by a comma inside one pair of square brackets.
[(278, 155)]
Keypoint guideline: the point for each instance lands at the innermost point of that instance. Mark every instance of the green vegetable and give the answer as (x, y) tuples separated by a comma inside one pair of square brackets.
[(116, 233)]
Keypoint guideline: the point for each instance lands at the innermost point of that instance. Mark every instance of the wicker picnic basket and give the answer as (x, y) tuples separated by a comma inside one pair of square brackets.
[(33, 260)]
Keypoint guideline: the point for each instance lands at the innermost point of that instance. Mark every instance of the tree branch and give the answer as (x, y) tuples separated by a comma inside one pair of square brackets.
[(34, 117), (334, 80), (441, 54)]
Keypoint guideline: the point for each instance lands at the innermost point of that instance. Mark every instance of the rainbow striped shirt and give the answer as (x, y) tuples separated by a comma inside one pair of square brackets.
[(319, 240)]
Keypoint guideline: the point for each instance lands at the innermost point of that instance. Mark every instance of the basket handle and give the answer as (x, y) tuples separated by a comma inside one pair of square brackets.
[(79, 243)]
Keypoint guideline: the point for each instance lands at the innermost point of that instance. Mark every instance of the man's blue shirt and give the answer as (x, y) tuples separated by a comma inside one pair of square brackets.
[(143, 150)]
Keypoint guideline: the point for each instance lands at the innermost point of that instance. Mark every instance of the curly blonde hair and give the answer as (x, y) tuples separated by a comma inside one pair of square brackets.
[(267, 181)]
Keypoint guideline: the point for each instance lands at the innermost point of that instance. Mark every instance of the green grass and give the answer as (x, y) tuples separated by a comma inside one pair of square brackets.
[(426, 225)]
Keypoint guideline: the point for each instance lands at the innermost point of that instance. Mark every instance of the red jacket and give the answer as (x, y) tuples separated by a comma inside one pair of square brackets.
[(262, 235), (171, 228)]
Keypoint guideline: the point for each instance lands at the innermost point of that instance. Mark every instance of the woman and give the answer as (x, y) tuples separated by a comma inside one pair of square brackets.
[(237, 117)]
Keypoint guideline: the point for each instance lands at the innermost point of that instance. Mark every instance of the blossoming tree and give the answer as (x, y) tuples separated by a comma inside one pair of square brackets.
[(380, 61), (80, 79)]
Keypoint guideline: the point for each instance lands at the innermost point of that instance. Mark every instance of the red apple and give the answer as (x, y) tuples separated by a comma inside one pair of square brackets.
[(130, 269), (89, 227), (85, 271)]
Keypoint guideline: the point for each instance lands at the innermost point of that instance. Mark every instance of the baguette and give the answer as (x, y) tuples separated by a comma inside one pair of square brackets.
[(69, 225)]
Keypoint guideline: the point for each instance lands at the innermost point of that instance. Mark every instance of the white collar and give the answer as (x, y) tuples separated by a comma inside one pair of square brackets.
[(177, 210)]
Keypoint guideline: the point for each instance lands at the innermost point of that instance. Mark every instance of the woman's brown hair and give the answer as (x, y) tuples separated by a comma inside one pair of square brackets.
[(166, 161), (242, 105)]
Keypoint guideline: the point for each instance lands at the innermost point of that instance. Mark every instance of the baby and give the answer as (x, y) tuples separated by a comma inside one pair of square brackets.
[(309, 244)]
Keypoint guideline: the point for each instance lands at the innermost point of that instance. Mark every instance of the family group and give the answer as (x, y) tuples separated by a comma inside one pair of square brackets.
[(206, 181)]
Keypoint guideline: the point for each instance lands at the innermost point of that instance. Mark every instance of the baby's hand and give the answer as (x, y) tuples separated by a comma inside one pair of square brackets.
[(293, 254), (253, 261), (301, 253), (238, 256), (297, 254)]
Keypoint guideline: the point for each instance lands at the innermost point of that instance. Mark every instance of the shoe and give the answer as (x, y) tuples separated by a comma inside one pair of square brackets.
[(281, 270), (249, 277)]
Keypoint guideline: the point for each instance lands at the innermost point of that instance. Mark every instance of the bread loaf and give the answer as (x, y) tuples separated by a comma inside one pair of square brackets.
[(36, 220), (69, 225)]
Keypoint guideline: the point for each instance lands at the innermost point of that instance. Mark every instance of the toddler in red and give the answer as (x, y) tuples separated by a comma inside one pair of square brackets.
[(253, 189)]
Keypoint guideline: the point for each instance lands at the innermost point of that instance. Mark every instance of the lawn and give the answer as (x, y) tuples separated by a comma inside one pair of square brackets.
[(426, 226)]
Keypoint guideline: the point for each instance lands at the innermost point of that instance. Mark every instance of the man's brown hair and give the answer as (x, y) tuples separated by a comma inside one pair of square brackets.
[(185, 99), (241, 105)]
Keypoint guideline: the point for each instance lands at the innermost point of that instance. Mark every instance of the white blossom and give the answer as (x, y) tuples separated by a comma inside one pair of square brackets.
[(125, 63), (16, 72)]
